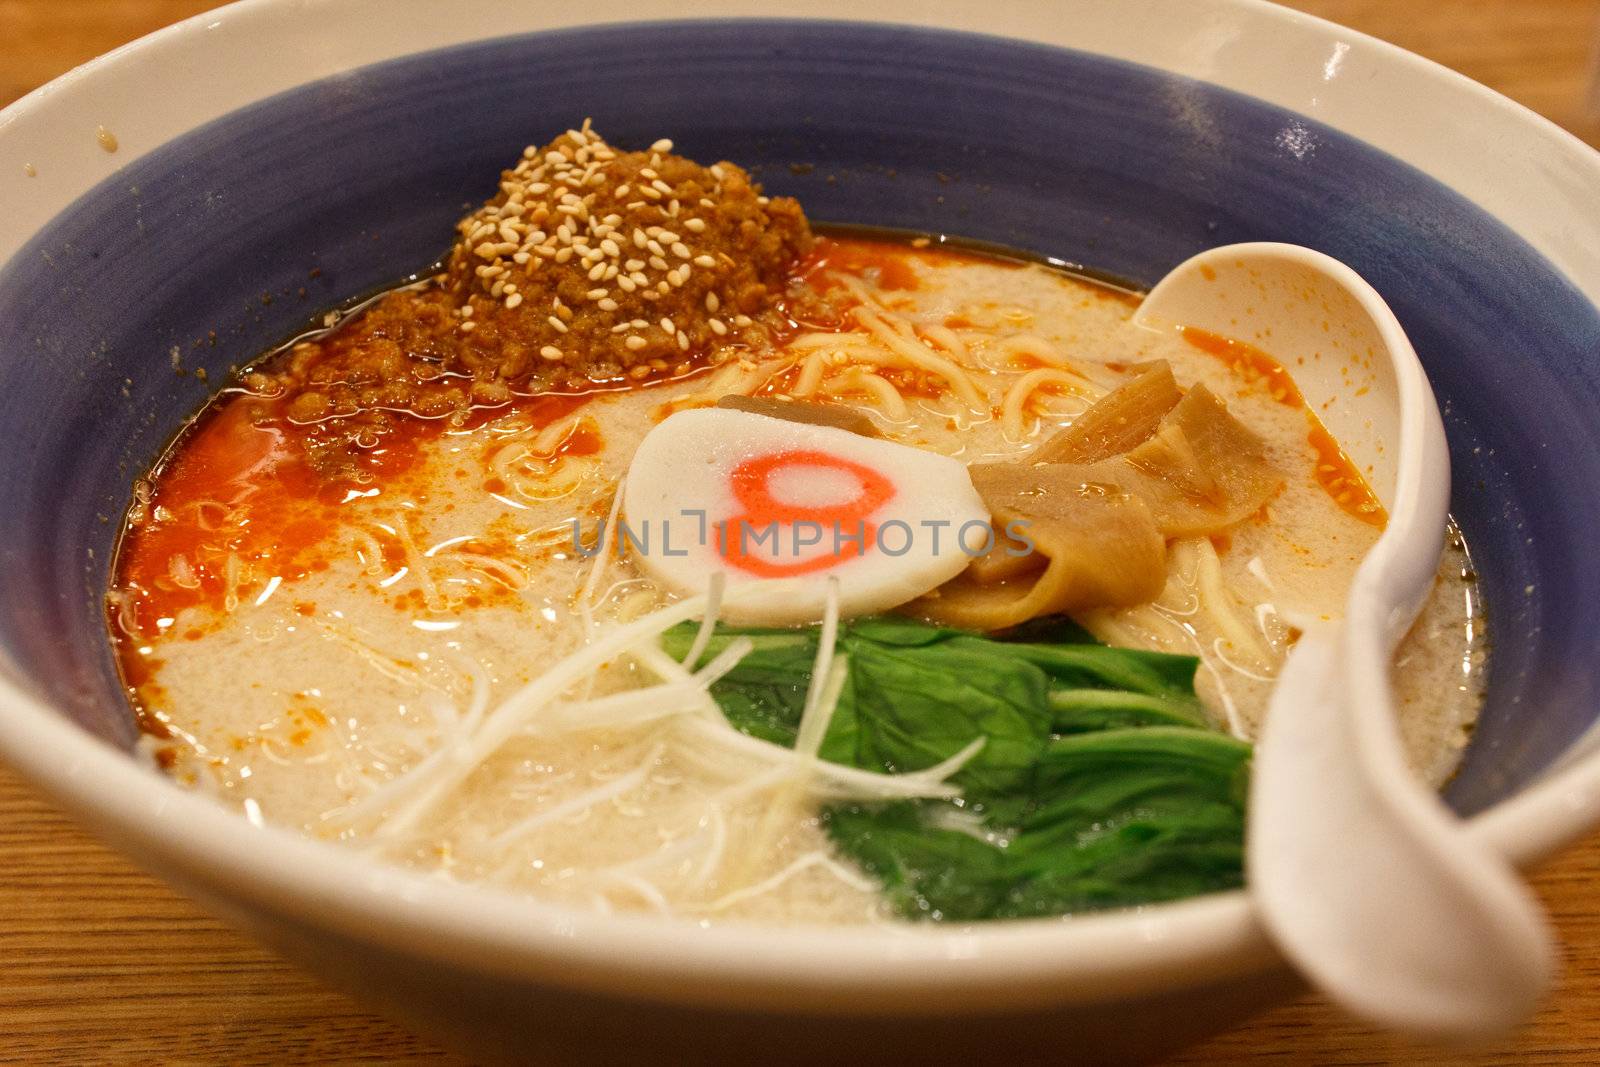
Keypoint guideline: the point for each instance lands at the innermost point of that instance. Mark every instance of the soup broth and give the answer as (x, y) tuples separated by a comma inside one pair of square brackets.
[(451, 576)]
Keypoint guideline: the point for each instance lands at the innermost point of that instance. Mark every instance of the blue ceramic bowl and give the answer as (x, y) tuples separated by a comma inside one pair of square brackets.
[(272, 175)]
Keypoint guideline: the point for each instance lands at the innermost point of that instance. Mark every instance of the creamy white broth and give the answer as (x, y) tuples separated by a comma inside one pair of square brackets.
[(458, 579)]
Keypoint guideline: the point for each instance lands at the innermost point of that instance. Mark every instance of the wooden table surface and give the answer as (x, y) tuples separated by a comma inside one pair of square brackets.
[(101, 963)]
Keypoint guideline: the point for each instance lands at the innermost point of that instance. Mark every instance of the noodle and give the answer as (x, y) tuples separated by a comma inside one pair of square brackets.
[(923, 358), (810, 377), (1012, 407), (947, 339), (882, 392), (556, 434)]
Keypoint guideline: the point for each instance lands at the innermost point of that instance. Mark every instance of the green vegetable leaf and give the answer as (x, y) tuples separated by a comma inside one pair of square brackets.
[(1124, 817), (907, 707), (927, 872), (915, 696), (1100, 783), (766, 694)]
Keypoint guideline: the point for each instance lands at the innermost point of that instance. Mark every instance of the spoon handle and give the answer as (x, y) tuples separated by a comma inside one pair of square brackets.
[(1379, 895)]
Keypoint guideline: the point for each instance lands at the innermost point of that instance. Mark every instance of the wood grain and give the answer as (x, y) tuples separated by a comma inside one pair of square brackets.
[(101, 963)]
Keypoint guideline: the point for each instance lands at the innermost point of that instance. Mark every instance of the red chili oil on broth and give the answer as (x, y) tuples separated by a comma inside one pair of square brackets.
[(238, 503)]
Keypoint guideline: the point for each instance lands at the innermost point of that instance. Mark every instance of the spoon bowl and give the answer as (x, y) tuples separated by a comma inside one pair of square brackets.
[(1363, 877)]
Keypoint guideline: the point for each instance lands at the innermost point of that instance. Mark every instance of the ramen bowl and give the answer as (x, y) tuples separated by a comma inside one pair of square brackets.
[(274, 159)]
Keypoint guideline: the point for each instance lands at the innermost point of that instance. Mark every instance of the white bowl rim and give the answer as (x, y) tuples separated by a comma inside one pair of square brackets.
[(919, 969)]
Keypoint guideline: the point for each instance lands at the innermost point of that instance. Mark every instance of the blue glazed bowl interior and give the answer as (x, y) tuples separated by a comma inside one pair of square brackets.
[(231, 238)]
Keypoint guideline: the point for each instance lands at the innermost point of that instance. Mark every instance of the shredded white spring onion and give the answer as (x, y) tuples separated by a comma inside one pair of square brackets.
[(582, 802), (418, 791), (708, 621), (816, 858)]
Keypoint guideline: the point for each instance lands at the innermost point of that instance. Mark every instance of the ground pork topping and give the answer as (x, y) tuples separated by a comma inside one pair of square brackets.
[(589, 265), (611, 261)]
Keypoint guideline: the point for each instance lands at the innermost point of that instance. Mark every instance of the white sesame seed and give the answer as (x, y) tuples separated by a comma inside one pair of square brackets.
[(625, 283), (610, 247), (658, 263), (741, 321), (717, 327), (695, 225), (683, 341), (607, 304), (704, 261), (666, 237), (663, 145), (597, 270), (635, 342), (550, 352), (712, 303), (556, 324), (622, 190), (512, 301), (634, 264), (681, 250), (597, 294), (667, 327), (468, 327)]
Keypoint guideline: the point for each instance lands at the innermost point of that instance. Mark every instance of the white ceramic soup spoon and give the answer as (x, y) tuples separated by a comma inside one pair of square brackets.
[(1367, 882)]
